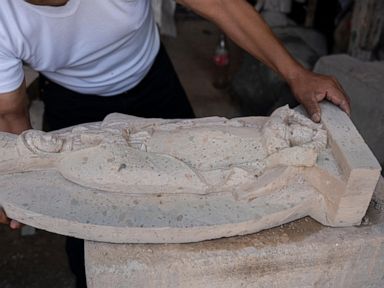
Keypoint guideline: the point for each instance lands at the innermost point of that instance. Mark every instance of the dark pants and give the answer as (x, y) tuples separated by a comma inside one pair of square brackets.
[(158, 95)]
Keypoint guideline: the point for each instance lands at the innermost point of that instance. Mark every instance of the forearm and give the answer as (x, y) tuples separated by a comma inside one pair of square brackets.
[(14, 116), (241, 22), (14, 123)]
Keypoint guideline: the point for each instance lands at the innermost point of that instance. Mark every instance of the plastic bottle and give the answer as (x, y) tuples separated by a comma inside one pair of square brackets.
[(221, 60)]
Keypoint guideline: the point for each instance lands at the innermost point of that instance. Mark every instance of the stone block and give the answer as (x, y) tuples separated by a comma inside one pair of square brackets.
[(364, 84), (300, 254), (360, 168), (135, 180)]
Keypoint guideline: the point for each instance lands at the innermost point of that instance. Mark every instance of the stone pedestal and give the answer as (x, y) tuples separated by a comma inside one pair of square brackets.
[(299, 254)]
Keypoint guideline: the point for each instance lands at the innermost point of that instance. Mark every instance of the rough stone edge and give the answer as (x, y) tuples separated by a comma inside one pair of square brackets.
[(360, 168), (119, 235)]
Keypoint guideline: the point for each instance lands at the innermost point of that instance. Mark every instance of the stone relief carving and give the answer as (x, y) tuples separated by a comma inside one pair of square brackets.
[(131, 155), (135, 180)]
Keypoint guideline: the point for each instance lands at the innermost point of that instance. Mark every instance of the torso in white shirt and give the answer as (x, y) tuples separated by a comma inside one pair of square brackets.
[(102, 47)]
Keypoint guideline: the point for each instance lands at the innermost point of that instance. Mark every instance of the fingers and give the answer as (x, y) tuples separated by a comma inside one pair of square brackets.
[(337, 97), (313, 88), (313, 109), (3, 218), (346, 107), (304, 121), (15, 225)]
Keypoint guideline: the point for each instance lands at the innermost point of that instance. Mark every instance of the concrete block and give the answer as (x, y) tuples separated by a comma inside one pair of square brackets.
[(300, 254)]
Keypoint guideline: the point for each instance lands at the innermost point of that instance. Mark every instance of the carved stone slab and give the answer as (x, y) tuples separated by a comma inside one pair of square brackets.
[(133, 180)]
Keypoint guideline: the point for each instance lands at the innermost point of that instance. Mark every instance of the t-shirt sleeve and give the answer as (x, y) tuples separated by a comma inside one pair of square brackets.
[(11, 72)]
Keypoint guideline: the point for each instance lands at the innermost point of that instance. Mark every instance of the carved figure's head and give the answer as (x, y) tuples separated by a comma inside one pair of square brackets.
[(288, 128), (42, 142), (299, 135)]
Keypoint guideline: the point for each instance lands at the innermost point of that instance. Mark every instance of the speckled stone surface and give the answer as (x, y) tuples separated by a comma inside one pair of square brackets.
[(299, 254), (99, 181)]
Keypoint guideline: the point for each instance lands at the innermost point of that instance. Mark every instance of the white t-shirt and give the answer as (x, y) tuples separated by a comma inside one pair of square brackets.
[(102, 47)]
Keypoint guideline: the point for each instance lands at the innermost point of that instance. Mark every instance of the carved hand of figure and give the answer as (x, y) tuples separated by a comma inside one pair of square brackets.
[(138, 140), (13, 224), (310, 88)]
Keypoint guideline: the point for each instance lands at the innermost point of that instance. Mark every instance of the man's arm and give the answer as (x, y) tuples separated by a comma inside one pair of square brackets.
[(241, 22), (14, 118)]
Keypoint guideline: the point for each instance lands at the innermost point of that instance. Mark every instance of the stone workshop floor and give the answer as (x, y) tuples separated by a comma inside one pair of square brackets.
[(40, 260)]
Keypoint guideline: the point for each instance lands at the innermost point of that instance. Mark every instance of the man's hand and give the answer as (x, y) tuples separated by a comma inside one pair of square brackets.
[(310, 88), (241, 22), (14, 115), (14, 118), (4, 220)]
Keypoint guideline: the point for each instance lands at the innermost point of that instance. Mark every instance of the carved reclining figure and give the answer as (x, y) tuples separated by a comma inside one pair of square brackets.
[(134, 155), (135, 180)]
